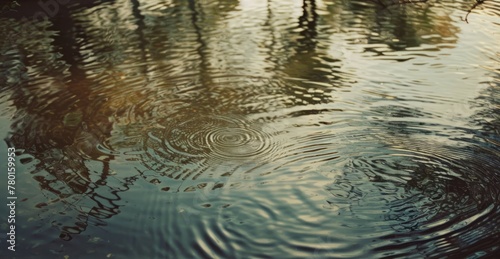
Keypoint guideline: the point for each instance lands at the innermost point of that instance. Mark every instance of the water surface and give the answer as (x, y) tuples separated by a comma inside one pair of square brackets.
[(235, 129)]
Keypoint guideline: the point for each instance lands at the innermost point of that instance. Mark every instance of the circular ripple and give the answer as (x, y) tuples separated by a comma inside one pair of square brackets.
[(213, 137), (238, 142), (433, 198)]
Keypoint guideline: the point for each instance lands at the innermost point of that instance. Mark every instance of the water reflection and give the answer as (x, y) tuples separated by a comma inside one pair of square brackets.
[(304, 128)]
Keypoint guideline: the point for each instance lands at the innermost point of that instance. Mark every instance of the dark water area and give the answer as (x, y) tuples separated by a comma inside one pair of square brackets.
[(251, 129)]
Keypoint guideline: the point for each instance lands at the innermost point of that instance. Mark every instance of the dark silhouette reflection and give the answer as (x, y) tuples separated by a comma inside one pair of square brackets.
[(63, 120), (458, 213), (437, 199), (57, 124), (308, 22), (318, 77), (63, 134), (399, 27), (448, 204)]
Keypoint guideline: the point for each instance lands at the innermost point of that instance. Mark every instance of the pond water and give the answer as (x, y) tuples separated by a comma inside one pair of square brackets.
[(252, 128)]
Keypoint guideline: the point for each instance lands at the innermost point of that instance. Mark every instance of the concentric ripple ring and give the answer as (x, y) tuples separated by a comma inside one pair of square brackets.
[(214, 137)]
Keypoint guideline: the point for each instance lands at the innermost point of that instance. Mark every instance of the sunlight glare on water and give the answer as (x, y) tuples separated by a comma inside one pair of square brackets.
[(235, 129)]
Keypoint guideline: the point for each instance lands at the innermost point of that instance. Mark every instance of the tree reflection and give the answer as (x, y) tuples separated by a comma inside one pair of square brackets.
[(94, 82)]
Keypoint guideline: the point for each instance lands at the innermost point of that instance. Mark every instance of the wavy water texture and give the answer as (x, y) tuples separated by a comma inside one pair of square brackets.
[(268, 129)]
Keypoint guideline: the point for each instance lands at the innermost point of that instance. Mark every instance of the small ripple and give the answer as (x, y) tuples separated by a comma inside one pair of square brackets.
[(215, 137), (184, 147)]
